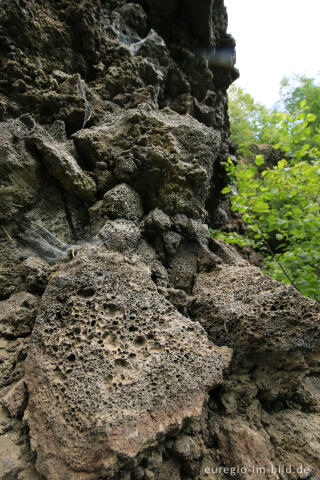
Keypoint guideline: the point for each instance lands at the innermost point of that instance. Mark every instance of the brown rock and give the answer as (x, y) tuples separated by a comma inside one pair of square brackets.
[(10, 464), (16, 399), (296, 439), (18, 313), (241, 307), (112, 367), (247, 448)]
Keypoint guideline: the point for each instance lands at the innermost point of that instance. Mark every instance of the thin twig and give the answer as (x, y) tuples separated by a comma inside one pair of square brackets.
[(281, 266), (265, 243), (6, 233)]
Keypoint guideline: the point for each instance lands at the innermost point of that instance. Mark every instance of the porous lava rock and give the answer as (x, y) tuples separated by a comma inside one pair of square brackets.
[(271, 395), (167, 158), (260, 315), (154, 351), (113, 367)]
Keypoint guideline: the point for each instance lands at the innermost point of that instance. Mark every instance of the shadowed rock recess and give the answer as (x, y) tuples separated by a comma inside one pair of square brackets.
[(133, 346)]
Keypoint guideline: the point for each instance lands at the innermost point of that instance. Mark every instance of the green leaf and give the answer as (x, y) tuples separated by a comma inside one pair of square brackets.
[(259, 160), (311, 117)]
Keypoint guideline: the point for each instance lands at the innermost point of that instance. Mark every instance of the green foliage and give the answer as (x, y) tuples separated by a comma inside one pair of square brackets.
[(251, 122), (299, 136), (231, 237), (241, 106), (281, 205), (297, 90)]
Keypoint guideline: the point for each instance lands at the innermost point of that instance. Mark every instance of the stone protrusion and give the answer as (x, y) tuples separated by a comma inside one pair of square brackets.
[(116, 362)]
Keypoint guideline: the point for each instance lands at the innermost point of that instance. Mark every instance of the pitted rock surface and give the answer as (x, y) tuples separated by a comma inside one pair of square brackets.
[(167, 158), (271, 395), (114, 131), (118, 202), (260, 315), (112, 368), (17, 314)]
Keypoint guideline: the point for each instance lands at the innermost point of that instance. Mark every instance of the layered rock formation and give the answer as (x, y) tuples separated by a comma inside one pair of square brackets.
[(133, 345)]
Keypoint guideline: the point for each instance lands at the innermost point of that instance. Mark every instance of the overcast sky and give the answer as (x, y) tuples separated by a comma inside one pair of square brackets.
[(274, 38)]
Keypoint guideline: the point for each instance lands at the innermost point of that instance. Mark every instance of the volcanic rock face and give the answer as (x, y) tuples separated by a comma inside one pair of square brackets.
[(124, 367), (134, 346), (172, 154)]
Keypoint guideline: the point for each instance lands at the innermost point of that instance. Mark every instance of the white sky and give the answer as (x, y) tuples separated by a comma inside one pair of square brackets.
[(274, 38)]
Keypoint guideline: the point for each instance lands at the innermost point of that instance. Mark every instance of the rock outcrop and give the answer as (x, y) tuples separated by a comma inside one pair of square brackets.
[(134, 346), (114, 362)]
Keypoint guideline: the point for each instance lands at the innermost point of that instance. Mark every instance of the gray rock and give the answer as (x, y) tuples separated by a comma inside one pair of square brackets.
[(172, 241), (198, 232), (120, 235), (157, 220), (152, 47), (146, 144), (30, 197), (145, 253), (183, 267), (125, 167), (134, 17), (123, 202), (10, 268), (35, 272), (254, 313), (118, 362), (130, 22), (187, 448), (105, 179), (20, 172), (58, 131), (64, 168)]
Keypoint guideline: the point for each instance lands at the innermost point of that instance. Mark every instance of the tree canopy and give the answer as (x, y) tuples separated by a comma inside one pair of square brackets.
[(281, 203), (297, 89), (250, 121)]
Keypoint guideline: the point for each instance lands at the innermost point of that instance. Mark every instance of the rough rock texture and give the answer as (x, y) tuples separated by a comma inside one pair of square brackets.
[(133, 346), (173, 155), (124, 367), (275, 336)]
